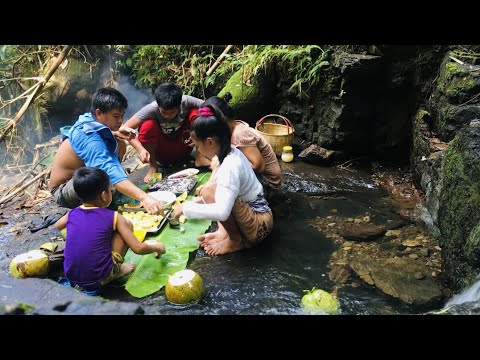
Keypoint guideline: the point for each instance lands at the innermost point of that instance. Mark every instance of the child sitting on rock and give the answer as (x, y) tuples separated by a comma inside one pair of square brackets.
[(98, 238)]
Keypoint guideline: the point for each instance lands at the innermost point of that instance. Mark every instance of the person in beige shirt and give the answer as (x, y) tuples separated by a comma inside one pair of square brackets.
[(258, 151)]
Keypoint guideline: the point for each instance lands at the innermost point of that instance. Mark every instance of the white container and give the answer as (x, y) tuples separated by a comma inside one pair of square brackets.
[(287, 154)]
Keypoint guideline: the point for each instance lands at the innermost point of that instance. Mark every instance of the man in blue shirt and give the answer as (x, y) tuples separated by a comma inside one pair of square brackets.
[(90, 142)]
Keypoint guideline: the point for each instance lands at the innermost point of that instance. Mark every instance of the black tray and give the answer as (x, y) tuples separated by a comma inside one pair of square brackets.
[(177, 186)]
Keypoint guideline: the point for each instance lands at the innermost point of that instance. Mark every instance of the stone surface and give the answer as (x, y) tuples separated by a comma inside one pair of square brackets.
[(399, 277)]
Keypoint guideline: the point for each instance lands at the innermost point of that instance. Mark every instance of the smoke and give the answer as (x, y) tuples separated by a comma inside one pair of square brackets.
[(137, 98)]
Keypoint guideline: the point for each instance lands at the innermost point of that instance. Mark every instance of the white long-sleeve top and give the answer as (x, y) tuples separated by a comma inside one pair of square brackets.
[(235, 178)]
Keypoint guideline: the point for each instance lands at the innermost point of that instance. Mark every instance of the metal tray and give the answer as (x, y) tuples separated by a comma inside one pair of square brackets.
[(151, 230)]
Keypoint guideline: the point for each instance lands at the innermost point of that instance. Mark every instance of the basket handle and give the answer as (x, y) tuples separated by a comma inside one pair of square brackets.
[(287, 122)]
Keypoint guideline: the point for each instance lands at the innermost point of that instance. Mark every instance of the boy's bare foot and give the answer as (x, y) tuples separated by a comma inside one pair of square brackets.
[(151, 170), (126, 269)]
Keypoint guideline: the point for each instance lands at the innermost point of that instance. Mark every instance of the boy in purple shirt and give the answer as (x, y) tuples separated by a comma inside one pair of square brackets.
[(98, 238)]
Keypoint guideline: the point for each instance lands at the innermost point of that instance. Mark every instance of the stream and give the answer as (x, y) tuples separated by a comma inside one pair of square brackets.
[(271, 278)]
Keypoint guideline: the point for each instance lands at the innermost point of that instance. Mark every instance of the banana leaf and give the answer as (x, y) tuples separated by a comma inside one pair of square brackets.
[(152, 274)]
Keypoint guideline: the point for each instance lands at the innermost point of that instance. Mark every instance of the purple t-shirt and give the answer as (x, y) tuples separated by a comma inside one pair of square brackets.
[(88, 245)]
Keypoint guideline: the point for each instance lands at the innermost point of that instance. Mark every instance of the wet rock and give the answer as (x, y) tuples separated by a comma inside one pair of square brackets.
[(412, 243), (43, 296), (425, 252), (419, 275), (396, 277), (339, 274), (386, 246), (320, 156), (401, 247), (362, 232)]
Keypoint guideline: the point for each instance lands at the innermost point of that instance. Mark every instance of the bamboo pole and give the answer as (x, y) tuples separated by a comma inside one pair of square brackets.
[(24, 186), (66, 49), (219, 60)]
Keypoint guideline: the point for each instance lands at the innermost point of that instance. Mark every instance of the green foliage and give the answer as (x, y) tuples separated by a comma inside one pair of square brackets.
[(300, 64), (152, 274), (186, 65), (460, 199)]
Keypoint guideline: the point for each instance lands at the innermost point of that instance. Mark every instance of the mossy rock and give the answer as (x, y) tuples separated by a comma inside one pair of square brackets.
[(458, 82), (459, 219), (451, 118), (250, 100)]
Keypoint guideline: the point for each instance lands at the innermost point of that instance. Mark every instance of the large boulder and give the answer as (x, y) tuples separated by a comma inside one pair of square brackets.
[(454, 101), (251, 99), (458, 215)]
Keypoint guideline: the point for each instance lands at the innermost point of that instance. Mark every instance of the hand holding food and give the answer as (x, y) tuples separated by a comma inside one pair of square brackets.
[(152, 205), (177, 211)]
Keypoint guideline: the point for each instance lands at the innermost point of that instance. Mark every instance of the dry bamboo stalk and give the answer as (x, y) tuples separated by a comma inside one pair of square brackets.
[(37, 91), (24, 186), (219, 60)]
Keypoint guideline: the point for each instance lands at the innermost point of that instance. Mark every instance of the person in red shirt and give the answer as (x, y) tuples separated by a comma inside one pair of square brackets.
[(163, 128)]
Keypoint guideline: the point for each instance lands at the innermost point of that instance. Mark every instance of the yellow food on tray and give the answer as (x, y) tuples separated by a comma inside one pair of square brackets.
[(143, 221), (132, 206), (140, 234)]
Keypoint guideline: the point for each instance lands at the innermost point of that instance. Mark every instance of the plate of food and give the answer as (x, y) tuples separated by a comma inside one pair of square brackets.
[(143, 221), (177, 186), (166, 198), (187, 173)]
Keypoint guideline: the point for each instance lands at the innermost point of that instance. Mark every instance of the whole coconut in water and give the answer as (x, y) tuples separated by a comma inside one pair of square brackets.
[(184, 287), (31, 264), (318, 301)]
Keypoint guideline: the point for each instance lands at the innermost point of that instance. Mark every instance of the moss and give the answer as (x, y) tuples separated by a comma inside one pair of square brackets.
[(450, 70), (458, 215), (470, 278), (472, 245), (330, 84), (249, 102), (27, 308), (421, 114), (460, 84), (240, 91)]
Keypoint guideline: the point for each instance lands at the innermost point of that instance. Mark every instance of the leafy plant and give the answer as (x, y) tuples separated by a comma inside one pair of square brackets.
[(299, 64), (152, 65)]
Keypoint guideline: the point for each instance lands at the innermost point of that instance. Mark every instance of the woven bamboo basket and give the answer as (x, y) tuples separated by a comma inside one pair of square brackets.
[(277, 135)]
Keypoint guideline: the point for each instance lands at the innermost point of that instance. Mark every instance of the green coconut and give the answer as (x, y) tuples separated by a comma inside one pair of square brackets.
[(31, 264), (184, 287), (319, 301)]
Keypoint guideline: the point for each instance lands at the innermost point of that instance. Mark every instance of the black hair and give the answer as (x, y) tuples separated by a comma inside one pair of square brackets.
[(222, 104), (107, 99), (168, 96), (213, 126), (89, 182)]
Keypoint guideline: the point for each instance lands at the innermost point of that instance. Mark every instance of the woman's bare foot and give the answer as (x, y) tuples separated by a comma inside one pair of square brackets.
[(151, 170), (126, 269), (219, 243)]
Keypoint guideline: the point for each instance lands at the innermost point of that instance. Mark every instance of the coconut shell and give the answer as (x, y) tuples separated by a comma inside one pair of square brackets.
[(184, 287), (31, 264), (317, 300)]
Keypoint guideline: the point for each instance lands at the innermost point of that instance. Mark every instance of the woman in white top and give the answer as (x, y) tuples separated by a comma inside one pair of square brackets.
[(234, 197)]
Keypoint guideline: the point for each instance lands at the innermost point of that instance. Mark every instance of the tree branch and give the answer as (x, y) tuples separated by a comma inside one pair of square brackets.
[(219, 60), (32, 97)]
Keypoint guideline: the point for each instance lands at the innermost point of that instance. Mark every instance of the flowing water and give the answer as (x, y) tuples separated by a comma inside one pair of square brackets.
[(271, 278)]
